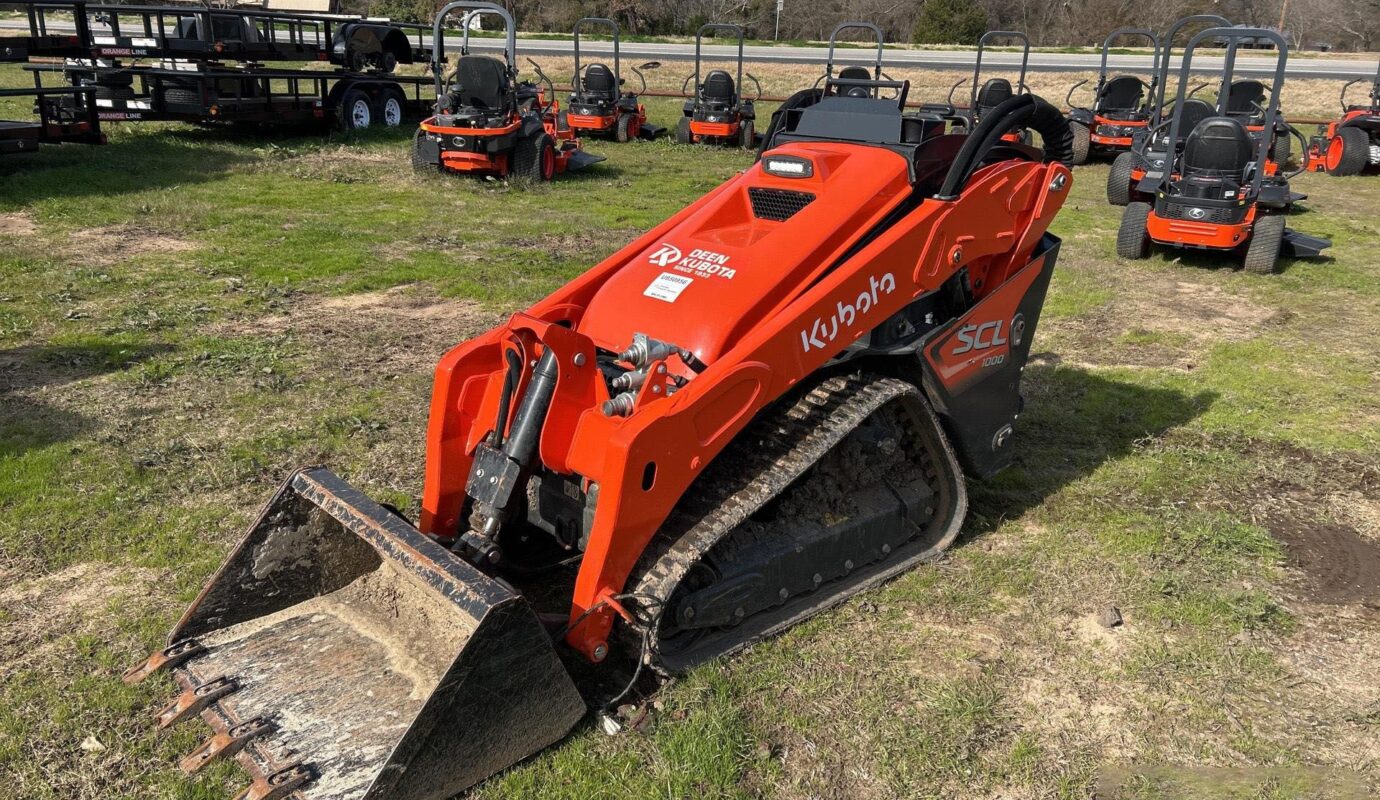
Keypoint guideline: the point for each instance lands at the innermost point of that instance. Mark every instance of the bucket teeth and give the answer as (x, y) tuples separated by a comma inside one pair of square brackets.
[(164, 659), (191, 702), (278, 785), (224, 745)]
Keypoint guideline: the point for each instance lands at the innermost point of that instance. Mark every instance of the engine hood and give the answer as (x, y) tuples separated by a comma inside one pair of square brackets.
[(749, 249)]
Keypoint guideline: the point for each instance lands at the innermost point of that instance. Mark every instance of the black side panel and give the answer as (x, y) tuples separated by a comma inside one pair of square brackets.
[(972, 366)]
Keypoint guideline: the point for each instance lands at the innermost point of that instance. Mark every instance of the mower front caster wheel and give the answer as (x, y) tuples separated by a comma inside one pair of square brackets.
[(622, 130), (747, 135), (683, 131), (1082, 142), (1133, 237), (1262, 252), (1119, 179)]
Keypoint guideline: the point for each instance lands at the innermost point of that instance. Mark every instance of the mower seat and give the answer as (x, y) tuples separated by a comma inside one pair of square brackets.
[(481, 82), (992, 94), (1121, 97), (1218, 147), (599, 83), (1246, 99), (718, 89), (855, 74)]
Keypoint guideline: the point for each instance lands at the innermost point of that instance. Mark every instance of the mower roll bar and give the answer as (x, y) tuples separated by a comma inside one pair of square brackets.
[(472, 10), (699, 41), (1233, 36), (977, 62), (1374, 90), (578, 82), (1167, 47), (1143, 33)]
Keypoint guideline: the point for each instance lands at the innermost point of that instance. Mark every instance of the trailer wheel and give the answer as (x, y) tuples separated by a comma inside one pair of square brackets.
[(1133, 238), (1119, 179), (388, 61), (390, 110), (420, 163), (1082, 142), (1348, 152), (622, 127), (534, 158), (683, 131), (354, 112), (747, 135), (1262, 253)]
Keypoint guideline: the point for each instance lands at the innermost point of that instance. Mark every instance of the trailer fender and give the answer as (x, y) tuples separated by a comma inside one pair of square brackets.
[(370, 39)]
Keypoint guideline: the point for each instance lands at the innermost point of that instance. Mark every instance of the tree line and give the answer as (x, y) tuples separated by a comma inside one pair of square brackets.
[(1335, 24)]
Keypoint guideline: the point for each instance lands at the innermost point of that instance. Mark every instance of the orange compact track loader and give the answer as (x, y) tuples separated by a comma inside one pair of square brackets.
[(1349, 145), (598, 104), (1220, 191), (758, 408), (718, 113), (486, 122)]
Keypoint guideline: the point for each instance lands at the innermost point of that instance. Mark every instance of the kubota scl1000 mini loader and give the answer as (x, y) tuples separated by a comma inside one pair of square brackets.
[(756, 409)]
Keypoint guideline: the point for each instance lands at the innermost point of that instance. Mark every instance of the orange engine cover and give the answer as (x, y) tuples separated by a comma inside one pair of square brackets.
[(726, 268)]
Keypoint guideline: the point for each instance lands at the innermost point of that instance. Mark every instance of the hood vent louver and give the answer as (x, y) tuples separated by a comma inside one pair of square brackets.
[(777, 204)]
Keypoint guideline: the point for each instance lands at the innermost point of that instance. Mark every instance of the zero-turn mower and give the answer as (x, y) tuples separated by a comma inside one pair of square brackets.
[(1351, 144), (598, 104), (1216, 193), (758, 408), (486, 122), (718, 112), (987, 95), (1149, 146), (1121, 105)]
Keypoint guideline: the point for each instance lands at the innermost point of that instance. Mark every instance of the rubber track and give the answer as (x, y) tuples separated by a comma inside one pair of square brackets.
[(768, 456)]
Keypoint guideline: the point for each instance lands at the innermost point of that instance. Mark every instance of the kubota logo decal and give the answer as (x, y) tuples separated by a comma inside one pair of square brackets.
[(822, 332), (700, 263), (665, 255)]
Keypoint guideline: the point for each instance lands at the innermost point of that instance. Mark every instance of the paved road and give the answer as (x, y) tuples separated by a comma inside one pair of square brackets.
[(898, 60)]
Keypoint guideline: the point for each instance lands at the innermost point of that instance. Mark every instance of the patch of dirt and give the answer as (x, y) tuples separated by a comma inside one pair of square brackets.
[(116, 243), (42, 615), (17, 224), (1335, 565), (1160, 321)]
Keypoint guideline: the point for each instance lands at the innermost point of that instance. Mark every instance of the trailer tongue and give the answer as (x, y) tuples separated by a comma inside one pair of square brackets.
[(341, 654)]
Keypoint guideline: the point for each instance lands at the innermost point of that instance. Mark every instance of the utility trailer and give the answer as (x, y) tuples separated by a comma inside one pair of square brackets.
[(66, 115), (356, 43), (216, 94), (41, 40)]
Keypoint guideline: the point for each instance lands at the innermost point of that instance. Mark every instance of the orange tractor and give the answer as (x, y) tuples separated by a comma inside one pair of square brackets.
[(1121, 106), (1349, 145), (756, 409), (718, 112), (1219, 191), (486, 121), (598, 105)]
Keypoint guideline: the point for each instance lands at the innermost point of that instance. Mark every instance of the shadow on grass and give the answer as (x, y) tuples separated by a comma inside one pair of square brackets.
[(27, 423), (1074, 422)]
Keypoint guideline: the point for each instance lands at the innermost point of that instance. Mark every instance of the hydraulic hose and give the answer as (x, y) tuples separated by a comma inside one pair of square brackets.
[(1020, 111)]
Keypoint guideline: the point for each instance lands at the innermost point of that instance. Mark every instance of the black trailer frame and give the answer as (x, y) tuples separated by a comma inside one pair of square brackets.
[(66, 115), (42, 42), (219, 94)]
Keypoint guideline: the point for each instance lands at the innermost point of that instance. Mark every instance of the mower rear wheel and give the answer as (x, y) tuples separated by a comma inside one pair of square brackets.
[(1267, 236), (420, 163), (1133, 238), (747, 134), (1348, 152), (683, 131), (622, 128), (534, 158), (1119, 179), (1082, 142)]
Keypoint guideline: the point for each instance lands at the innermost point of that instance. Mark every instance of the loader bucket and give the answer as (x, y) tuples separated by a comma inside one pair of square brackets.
[(339, 654)]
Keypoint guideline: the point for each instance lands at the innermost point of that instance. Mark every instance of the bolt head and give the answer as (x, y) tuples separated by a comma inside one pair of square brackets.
[(783, 594), (848, 565), (957, 255), (579, 359), (818, 579), (601, 652), (1060, 181)]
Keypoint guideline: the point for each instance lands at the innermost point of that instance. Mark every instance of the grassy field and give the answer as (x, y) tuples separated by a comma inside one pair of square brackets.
[(186, 315)]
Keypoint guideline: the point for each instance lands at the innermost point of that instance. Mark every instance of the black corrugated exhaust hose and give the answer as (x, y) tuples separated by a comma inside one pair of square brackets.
[(1021, 111)]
